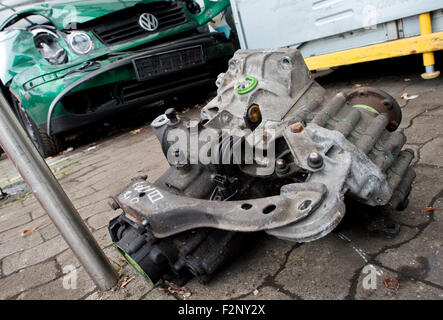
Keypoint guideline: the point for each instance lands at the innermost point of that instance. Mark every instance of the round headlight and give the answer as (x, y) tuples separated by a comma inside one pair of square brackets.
[(80, 42)]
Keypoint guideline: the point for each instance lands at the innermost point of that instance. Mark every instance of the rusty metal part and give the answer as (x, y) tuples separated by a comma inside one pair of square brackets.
[(297, 128), (380, 101), (169, 214)]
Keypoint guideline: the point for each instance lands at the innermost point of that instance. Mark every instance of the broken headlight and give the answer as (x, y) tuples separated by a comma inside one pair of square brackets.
[(46, 42), (80, 42)]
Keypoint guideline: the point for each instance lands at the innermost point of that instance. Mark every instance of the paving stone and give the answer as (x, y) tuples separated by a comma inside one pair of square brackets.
[(416, 134), (101, 220), (134, 290), (393, 85), (432, 152), (157, 294), (17, 232), (67, 258), (320, 270), (268, 293), (13, 210), (102, 237), (80, 173), (407, 289), (423, 87), (425, 105), (33, 255), (49, 232), (437, 111), (27, 279), (420, 258), (37, 211), (245, 273), (93, 198), (116, 258), (95, 208), (75, 195), (55, 290), (95, 174), (20, 243), (11, 222), (370, 243), (438, 214)]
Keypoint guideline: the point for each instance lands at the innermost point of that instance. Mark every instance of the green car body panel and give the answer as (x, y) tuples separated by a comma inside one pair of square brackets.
[(35, 82)]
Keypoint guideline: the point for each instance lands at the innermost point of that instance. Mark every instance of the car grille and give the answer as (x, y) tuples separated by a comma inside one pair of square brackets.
[(123, 25)]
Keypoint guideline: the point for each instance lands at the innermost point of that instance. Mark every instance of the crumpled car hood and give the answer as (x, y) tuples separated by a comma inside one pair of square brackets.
[(17, 44)]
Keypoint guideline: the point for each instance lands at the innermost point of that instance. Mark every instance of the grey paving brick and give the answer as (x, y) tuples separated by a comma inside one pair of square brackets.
[(17, 231), (432, 152), (416, 134), (157, 294), (102, 237), (10, 222), (20, 243), (55, 290), (49, 232), (94, 208), (67, 258), (101, 220), (27, 278), (33, 255)]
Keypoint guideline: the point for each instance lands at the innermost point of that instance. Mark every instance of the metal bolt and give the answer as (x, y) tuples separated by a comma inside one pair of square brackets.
[(280, 163), (145, 223), (281, 166), (297, 128), (171, 114), (114, 204), (388, 104), (315, 160)]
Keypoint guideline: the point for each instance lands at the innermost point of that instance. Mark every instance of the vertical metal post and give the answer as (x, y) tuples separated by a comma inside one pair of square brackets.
[(428, 57), (53, 199)]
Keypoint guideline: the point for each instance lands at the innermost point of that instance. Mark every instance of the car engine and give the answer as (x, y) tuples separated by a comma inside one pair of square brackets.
[(271, 152)]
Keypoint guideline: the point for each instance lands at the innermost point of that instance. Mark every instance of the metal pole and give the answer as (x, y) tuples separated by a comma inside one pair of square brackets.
[(53, 199), (428, 57)]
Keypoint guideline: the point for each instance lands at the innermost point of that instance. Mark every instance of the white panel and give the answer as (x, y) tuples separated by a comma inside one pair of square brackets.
[(277, 23)]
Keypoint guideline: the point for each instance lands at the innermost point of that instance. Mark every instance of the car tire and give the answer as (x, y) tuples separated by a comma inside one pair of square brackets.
[(46, 145)]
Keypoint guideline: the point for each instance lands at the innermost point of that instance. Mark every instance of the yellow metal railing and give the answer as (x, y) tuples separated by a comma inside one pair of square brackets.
[(425, 44)]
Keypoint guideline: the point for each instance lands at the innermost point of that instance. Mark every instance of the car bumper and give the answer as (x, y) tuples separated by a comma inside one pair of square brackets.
[(73, 101)]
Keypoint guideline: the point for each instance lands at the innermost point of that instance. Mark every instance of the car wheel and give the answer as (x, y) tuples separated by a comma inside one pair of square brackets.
[(46, 145)]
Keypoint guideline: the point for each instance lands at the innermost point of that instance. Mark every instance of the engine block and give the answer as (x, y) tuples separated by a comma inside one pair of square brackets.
[(271, 152)]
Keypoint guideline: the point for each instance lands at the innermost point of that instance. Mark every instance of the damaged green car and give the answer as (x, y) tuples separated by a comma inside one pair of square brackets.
[(67, 64)]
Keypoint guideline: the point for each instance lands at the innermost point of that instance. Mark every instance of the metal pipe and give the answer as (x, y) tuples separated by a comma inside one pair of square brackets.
[(53, 199)]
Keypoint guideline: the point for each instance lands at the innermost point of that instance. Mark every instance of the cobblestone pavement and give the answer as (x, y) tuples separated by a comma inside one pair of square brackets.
[(32, 266)]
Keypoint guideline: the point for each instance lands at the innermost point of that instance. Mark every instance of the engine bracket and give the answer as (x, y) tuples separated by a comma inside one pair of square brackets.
[(166, 214)]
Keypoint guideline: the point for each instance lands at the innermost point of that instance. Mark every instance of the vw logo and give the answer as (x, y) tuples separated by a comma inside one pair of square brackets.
[(148, 22)]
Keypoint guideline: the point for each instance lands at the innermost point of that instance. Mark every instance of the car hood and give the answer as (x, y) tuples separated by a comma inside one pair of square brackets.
[(62, 13)]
